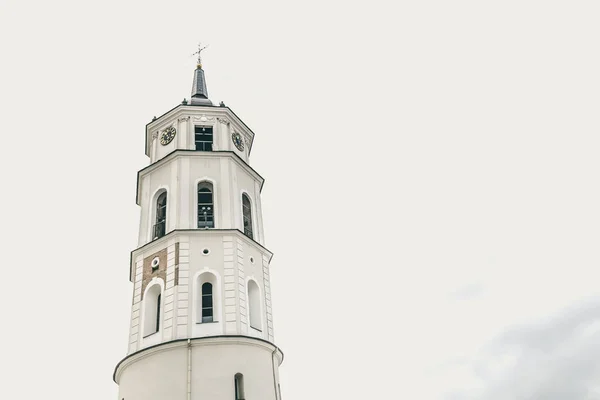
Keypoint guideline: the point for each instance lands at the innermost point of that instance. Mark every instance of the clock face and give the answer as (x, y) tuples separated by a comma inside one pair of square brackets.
[(167, 135), (238, 141)]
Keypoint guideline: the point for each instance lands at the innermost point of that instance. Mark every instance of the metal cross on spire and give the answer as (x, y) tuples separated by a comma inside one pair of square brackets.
[(199, 52)]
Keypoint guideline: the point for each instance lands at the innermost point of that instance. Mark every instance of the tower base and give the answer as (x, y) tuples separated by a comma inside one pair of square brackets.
[(211, 367)]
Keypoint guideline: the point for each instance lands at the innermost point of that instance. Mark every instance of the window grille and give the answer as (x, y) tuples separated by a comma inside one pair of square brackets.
[(203, 137), (206, 210)]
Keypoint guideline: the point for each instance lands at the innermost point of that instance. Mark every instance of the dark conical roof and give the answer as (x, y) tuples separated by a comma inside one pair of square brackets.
[(199, 91)]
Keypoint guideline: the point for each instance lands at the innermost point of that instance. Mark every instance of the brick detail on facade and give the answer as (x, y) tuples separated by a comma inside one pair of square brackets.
[(160, 272)]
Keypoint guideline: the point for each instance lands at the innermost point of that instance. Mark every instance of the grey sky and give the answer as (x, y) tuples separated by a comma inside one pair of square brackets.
[(551, 358), (431, 189)]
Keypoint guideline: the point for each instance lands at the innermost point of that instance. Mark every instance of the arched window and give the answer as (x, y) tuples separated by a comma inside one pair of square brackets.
[(161, 216), (152, 300), (206, 209), (247, 212), (238, 381), (207, 302), (206, 298), (254, 303)]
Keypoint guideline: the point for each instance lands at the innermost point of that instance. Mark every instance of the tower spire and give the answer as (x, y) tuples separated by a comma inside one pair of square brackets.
[(199, 91), (199, 52)]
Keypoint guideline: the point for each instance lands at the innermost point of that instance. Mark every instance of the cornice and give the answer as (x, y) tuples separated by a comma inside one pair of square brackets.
[(217, 112), (195, 153), (195, 342), (163, 242)]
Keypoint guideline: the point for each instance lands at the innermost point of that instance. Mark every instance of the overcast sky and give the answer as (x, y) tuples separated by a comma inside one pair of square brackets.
[(432, 194)]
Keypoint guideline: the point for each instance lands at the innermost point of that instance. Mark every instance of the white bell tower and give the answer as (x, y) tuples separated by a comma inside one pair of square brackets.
[(201, 321)]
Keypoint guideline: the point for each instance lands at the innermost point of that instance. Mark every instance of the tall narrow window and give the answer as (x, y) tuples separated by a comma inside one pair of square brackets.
[(238, 381), (206, 211), (206, 290), (161, 216), (247, 211), (204, 138), (207, 302), (157, 313), (152, 310), (254, 303)]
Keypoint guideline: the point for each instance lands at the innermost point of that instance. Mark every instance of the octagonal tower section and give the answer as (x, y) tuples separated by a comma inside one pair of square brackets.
[(201, 222)]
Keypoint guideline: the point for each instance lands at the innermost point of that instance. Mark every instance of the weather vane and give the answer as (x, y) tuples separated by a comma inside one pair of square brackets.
[(200, 48)]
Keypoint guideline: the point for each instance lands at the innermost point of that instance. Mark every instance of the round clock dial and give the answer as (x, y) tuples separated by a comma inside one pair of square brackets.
[(238, 141), (167, 135)]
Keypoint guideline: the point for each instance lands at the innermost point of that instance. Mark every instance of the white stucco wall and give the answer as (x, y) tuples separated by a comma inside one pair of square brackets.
[(162, 372), (162, 375)]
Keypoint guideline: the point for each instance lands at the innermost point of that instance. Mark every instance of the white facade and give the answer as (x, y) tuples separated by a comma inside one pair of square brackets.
[(201, 320)]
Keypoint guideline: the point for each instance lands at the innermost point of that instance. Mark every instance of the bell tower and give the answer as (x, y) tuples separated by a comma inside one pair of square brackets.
[(201, 321)]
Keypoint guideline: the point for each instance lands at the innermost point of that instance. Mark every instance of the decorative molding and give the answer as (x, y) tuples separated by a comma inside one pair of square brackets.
[(223, 121), (204, 118), (154, 135), (183, 119)]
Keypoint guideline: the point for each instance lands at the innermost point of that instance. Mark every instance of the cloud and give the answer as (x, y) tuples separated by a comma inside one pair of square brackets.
[(552, 359)]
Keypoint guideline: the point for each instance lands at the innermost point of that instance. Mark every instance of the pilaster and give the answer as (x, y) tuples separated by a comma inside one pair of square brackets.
[(229, 286), (241, 279), (267, 288), (183, 292)]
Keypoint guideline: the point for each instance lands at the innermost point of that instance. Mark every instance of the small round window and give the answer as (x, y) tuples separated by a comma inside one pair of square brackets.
[(205, 251), (155, 263), (252, 260)]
